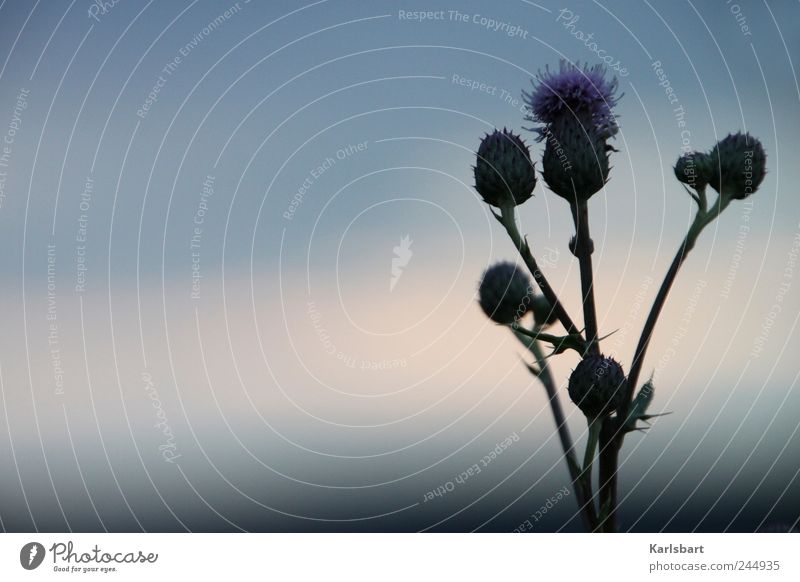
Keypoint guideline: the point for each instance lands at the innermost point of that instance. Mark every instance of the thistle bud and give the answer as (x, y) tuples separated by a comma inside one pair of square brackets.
[(504, 172), (543, 313), (575, 163), (504, 293), (597, 386), (694, 169), (738, 166)]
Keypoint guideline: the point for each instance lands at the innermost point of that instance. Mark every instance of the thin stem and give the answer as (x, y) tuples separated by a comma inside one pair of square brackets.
[(583, 494), (702, 219), (595, 424), (583, 248), (607, 479), (508, 220), (613, 435)]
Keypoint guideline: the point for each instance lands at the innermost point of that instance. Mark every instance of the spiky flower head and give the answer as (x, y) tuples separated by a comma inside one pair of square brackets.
[(597, 385), (504, 172), (575, 164), (574, 90), (504, 293), (543, 312), (738, 166), (694, 169)]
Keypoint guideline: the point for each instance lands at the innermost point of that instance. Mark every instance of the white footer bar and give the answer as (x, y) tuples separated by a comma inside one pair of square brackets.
[(422, 557)]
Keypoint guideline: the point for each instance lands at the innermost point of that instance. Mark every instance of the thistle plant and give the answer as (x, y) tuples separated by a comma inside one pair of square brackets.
[(572, 114)]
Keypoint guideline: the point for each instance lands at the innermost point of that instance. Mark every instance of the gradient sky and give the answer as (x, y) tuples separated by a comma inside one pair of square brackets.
[(302, 390)]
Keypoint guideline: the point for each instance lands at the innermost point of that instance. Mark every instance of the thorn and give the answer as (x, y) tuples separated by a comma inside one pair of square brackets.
[(551, 354), (695, 197), (532, 369), (609, 335), (647, 417)]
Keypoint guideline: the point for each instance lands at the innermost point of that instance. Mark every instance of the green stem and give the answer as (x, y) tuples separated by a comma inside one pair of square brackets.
[(607, 478), (702, 219), (583, 494), (583, 248), (595, 424), (508, 220), (613, 436)]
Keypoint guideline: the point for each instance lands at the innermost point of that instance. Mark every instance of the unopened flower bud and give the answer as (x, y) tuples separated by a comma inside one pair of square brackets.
[(504, 172), (597, 385), (575, 163), (504, 293), (694, 169), (738, 166), (543, 313)]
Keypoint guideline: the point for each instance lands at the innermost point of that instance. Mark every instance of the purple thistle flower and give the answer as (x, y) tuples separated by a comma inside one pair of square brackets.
[(573, 90)]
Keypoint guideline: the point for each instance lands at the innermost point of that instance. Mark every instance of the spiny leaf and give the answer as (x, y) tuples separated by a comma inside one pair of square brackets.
[(559, 343), (639, 407)]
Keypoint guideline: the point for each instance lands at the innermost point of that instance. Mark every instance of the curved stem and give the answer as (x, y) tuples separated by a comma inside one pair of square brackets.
[(702, 219), (613, 435), (508, 220)]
